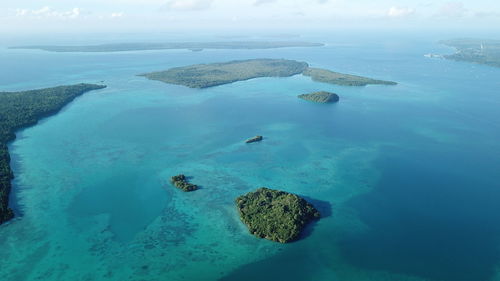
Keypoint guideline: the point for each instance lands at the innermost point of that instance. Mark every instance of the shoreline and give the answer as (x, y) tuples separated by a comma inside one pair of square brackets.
[(8, 136)]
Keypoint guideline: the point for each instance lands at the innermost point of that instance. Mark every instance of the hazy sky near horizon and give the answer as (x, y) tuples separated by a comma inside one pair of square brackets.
[(26, 16)]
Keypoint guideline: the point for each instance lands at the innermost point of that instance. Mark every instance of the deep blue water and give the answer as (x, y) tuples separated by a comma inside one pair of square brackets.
[(407, 176)]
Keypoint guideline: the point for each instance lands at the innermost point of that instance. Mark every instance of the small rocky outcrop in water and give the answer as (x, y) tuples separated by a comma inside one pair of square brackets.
[(275, 215), (180, 181), (254, 139), (321, 97)]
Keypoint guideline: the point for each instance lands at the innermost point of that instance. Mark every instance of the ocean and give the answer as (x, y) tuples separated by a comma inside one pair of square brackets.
[(407, 177)]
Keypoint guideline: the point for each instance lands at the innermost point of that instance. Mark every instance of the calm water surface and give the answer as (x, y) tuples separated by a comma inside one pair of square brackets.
[(407, 176)]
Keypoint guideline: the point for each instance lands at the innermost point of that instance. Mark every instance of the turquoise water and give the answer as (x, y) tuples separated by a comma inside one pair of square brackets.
[(406, 176)]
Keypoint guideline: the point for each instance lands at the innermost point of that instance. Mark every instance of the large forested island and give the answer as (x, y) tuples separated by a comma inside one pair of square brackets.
[(22, 109), (194, 46), (215, 74), (275, 215), (475, 50), (209, 75)]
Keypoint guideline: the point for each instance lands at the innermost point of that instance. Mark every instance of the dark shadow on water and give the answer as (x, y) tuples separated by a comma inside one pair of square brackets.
[(200, 187), (324, 208), (290, 265), (432, 216), (190, 180)]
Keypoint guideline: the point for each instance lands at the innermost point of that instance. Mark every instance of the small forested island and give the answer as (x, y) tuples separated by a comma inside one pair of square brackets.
[(320, 97), (23, 109), (275, 215), (123, 47), (475, 50), (215, 74), (254, 139), (327, 76), (181, 182)]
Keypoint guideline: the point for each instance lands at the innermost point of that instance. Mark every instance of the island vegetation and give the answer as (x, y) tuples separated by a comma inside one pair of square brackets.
[(215, 74), (327, 76), (320, 97), (22, 109), (254, 139), (275, 215), (181, 182), (475, 50), (122, 47), (209, 75)]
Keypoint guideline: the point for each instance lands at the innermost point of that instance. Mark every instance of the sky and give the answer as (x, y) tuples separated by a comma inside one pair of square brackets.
[(38, 16)]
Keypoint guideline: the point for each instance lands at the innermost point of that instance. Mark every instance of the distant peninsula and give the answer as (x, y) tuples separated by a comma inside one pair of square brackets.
[(275, 215), (475, 50), (193, 46), (327, 76), (215, 74), (23, 109), (320, 97)]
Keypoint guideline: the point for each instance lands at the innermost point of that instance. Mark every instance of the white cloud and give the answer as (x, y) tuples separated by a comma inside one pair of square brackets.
[(21, 12), (302, 2), (400, 12), (47, 12), (261, 2), (188, 5), (251, 14), (117, 15), (454, 9)]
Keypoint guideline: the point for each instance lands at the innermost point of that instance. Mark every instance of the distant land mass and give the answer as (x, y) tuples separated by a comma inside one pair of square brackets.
[(122, 47), (215, 74), (481, 51), (327, 76), (23, 109)]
